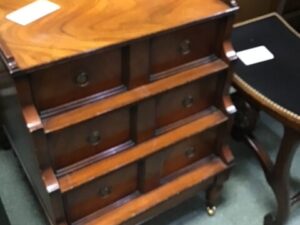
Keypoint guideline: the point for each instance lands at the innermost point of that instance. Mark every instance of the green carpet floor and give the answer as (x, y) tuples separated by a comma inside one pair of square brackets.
[(246, 197)]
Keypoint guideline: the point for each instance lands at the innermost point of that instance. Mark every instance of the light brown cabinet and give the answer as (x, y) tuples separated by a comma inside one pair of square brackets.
[(119, 110)]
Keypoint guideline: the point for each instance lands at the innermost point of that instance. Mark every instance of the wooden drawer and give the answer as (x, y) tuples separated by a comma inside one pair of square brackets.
[(100, 135), (183, 46), (189, 151), (77, 79), (185, 101), (100, 193)]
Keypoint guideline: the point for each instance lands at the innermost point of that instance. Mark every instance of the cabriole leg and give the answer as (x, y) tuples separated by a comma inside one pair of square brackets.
[(279, 179)]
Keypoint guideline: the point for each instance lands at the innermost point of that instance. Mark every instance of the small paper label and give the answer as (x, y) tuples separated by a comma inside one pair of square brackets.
[(32, 12), (255, 55)]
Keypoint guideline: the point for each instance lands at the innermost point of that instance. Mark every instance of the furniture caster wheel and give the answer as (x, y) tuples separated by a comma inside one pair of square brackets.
[(269, 220), (211, 211)]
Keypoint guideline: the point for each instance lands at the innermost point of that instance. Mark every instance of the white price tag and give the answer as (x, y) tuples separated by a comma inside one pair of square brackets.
[(32, 12), (255, 55)]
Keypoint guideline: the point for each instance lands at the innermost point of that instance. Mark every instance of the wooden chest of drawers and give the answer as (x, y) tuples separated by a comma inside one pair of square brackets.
[(119, 110)]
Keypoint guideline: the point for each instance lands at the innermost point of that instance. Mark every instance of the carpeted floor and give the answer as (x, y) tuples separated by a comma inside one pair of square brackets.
[(245, 200)]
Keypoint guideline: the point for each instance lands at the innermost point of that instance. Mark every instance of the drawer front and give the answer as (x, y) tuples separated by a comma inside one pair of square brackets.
[(189, 151), (76, 79), (185, 101), (84, 140), (183, 46), (102, 192)]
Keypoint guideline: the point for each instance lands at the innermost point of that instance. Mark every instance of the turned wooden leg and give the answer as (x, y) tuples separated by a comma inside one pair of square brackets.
[(213, 193), (279, 178)]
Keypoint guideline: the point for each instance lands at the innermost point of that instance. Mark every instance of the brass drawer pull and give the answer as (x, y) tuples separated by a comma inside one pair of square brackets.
[(82, 79), (185, 47), (188, 101), (190, 153), (94, 138), (105, 191)]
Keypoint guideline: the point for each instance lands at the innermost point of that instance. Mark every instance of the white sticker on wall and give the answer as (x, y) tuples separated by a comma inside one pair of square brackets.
[(32, 12), (255, 55)]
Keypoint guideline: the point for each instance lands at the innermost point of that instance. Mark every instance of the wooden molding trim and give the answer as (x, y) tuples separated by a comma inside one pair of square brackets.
[(160, 195), (30, 113), (283, 113), (92, 110), (7, 57), (53, 189), (98, 169)]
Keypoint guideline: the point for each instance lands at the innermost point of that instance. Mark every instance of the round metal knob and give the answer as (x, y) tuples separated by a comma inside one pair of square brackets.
[(94, 138), (185, 47), (105, 192), (188, 101), (82, 79), (190, 153)]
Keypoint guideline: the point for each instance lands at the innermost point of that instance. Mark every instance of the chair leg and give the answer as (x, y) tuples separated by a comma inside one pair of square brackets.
[(279, 178)]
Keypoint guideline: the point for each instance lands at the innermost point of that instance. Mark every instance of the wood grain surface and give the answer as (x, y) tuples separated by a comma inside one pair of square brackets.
[(83, 26)]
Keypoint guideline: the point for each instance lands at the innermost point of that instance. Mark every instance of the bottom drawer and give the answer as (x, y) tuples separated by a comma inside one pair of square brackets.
[(142, 176), (102, 192)]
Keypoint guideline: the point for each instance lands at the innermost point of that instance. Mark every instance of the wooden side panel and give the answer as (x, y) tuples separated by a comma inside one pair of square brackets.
[(35, 126), (33, 122), (21, 139)]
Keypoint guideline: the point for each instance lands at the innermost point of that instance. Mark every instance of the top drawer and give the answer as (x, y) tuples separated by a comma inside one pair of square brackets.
[(80, 81), (183, 46), (77, 79)]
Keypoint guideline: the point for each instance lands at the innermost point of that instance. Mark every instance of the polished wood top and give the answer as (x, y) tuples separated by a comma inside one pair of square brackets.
[(83, 26)]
